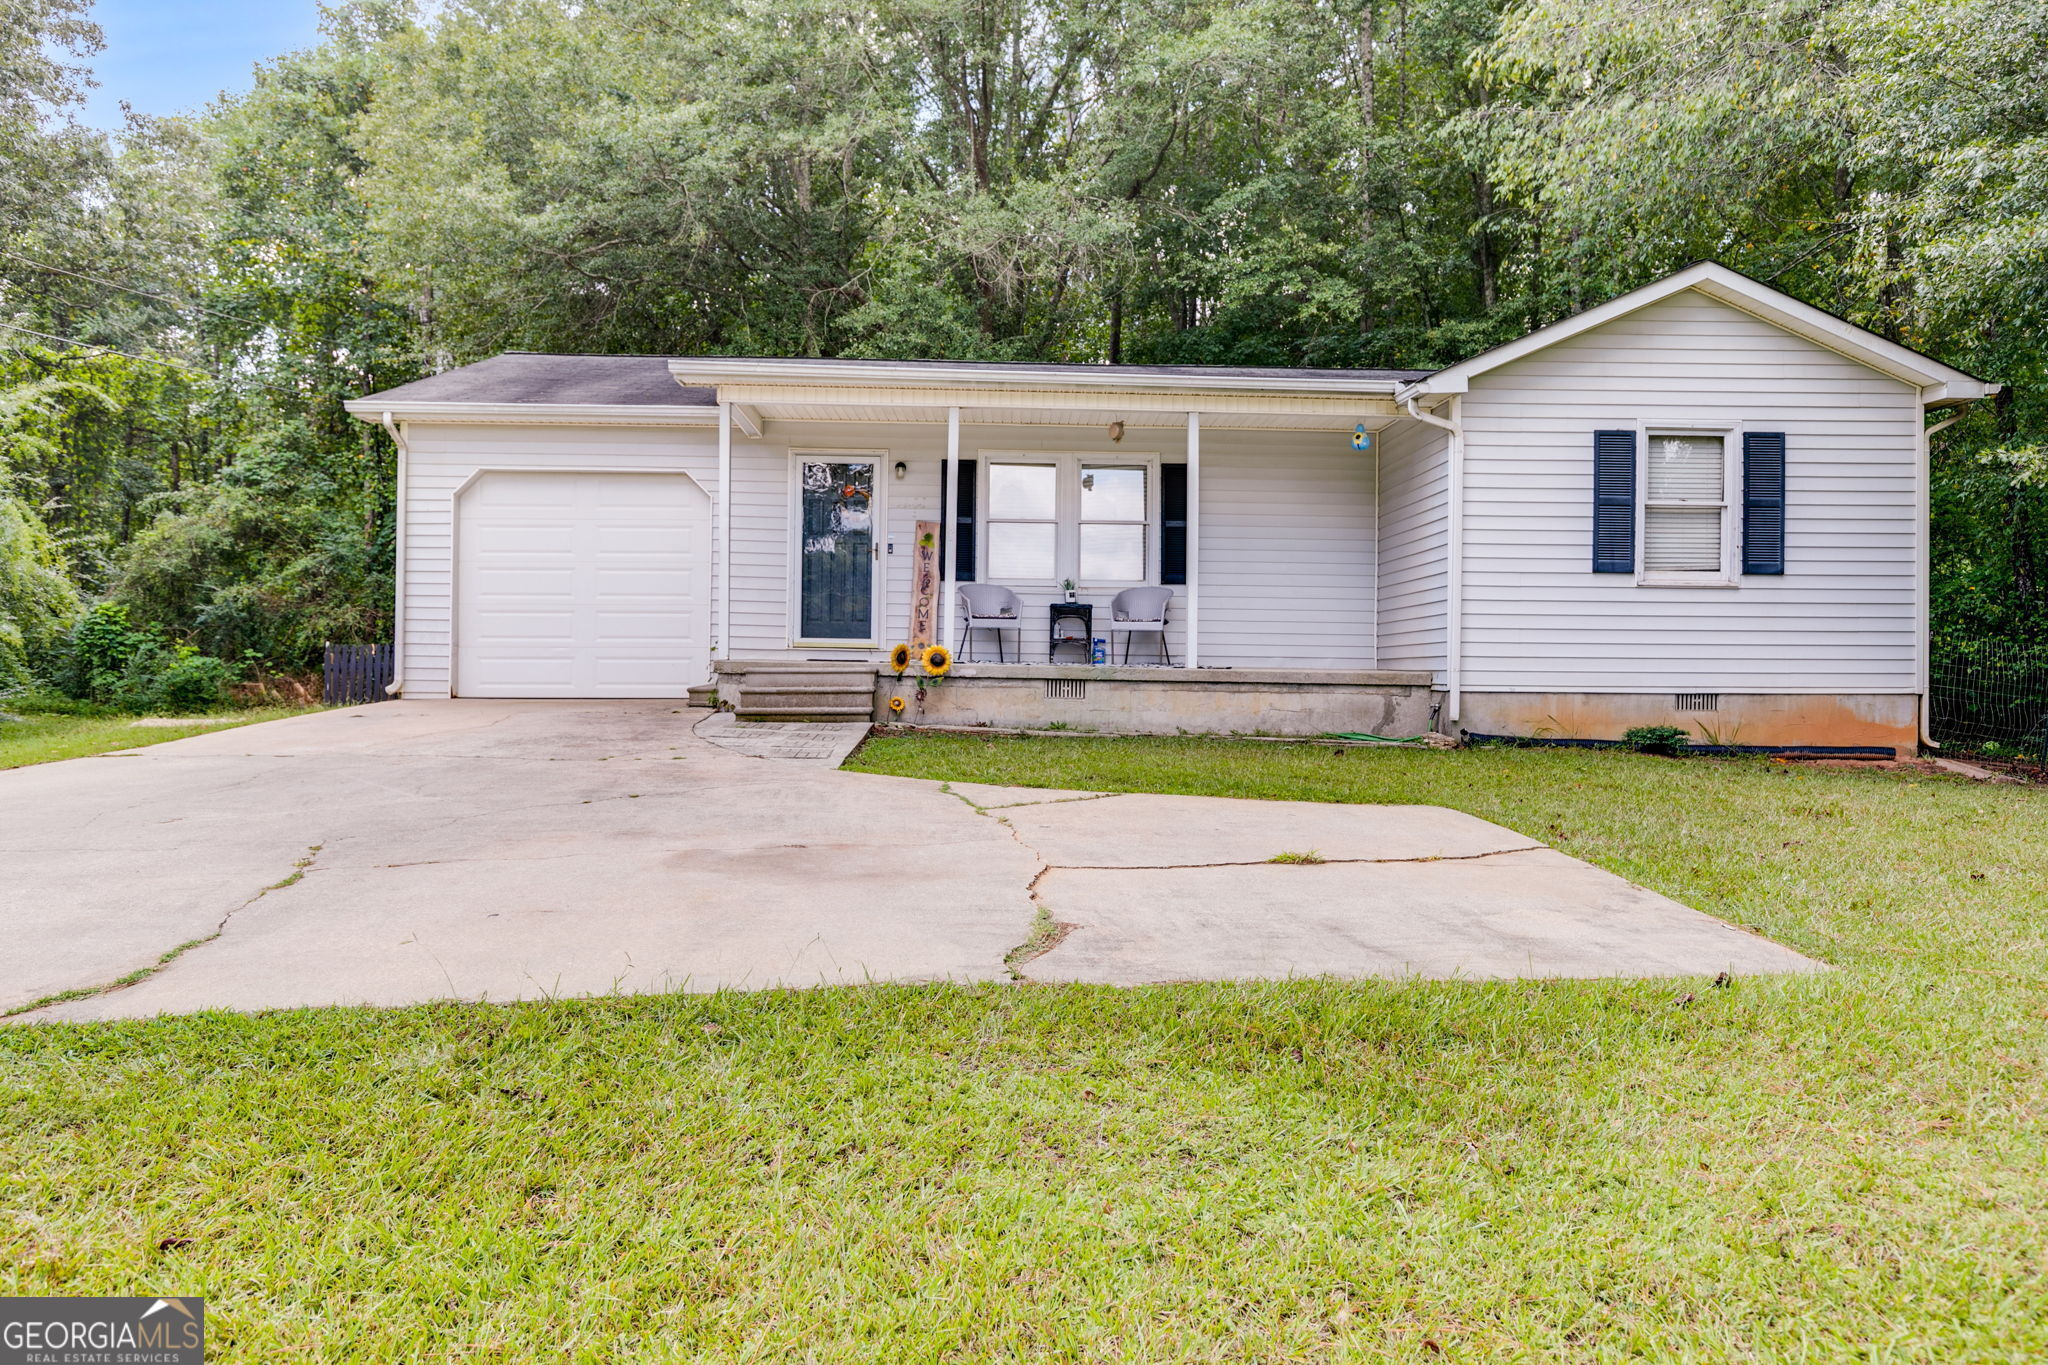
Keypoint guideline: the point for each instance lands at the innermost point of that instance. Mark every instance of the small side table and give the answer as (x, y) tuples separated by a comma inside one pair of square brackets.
[(1084, 613)]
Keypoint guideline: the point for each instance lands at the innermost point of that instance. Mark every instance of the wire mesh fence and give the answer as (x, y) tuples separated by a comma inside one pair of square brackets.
[(1990, 697)]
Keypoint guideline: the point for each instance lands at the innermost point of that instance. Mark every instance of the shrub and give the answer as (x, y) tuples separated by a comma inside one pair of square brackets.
[(178, 680), (37, 600), (103, 647), (1668, 740), (109, 665)]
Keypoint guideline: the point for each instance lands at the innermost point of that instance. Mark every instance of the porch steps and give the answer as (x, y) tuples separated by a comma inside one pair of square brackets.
[(798, 690)]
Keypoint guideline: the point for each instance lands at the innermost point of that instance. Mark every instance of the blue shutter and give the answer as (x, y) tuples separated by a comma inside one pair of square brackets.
[(1763, 502), (1614, 502), (1173, 523), (963, 566)]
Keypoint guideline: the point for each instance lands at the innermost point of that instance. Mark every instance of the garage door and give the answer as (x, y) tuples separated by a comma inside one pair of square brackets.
[(582, 585)]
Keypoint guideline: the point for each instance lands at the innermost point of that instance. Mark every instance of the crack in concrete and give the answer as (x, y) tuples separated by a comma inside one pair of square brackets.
[(1048, 932), (507, 858), (980, 809), (1270, 862), (142, 974)]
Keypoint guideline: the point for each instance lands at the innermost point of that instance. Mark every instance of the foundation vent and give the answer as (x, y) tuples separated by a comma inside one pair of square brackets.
[(1698, 701), (1066, 689)]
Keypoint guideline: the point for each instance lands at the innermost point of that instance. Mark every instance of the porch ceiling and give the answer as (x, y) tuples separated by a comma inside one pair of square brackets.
[(1224, 411), (1069, 417)]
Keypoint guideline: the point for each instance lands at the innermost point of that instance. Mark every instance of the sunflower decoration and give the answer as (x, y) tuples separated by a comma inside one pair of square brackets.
[(896, 705), (938, 661), (899, 658)]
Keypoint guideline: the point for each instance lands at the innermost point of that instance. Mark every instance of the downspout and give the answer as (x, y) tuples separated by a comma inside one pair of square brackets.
[(397, 684), (1454, 566), (1923, 534)]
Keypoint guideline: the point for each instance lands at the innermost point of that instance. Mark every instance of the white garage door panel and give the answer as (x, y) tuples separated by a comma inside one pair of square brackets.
[(582, 585)]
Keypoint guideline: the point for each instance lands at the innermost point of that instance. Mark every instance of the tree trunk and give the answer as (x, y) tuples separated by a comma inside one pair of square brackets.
[(1366, 93), (1489, 267)]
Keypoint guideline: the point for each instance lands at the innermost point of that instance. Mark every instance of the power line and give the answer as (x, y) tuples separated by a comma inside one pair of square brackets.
[(165, 361), (139, 293)]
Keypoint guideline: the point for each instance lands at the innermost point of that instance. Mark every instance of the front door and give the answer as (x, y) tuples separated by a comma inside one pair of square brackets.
[(836, 559)]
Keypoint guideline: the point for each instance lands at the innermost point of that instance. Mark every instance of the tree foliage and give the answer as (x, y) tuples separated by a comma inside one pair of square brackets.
[(1320, 182)]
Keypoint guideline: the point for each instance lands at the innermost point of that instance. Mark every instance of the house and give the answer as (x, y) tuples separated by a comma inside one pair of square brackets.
[(1703, 503)]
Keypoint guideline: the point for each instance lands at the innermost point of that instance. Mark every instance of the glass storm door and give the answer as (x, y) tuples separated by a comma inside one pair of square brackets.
[(836, 568)]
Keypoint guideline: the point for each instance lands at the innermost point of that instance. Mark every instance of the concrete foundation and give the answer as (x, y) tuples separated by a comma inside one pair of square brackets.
[(1164, 701), (1886, 721)]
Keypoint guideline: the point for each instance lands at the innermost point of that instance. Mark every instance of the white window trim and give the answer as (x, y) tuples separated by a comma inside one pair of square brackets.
[(1067, 514), (878, 582), (985, 513), (1729, 574)]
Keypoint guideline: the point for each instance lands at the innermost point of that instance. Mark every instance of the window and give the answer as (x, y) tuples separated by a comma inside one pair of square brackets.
[(1023, 523), (1114, 513), (1685, 505), (1054, 517)]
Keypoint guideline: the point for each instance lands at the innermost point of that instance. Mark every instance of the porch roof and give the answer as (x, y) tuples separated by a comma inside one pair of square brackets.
[(528, 387), (1032, 394)]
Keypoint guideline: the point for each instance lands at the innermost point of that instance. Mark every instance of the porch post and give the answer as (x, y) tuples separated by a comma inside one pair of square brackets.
[(948, 588), (1193, 649), (722, 533)]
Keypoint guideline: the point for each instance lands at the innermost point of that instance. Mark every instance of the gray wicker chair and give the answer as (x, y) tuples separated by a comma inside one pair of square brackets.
[(984, 606), (1136, 611)]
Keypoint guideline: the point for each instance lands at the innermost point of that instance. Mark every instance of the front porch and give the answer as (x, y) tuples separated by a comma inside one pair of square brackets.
[(1087, 698)]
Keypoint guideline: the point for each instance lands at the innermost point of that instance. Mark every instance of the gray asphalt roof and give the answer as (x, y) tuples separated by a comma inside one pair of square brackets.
[(526, 377), (532, 377)]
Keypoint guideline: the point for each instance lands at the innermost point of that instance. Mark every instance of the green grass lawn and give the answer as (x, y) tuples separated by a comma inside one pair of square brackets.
[(41, 738), (1845, 1167)]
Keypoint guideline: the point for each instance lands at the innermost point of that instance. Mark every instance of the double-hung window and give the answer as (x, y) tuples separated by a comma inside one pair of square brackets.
[(1115, 524), (1690, 514), (1685, 505), (1056, 517), (1023, 522)]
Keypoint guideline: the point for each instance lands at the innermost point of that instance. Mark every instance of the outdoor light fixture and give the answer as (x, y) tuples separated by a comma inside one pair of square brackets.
[(901, 469)]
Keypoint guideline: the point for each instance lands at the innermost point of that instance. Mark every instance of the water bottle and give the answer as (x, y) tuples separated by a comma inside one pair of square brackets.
[(1098, 651)]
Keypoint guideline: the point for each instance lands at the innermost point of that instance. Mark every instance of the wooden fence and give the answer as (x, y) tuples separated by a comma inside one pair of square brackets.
[(353, 674)]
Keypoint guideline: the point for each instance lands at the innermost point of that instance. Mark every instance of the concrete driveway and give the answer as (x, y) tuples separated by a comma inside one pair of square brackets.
[(496, 850)]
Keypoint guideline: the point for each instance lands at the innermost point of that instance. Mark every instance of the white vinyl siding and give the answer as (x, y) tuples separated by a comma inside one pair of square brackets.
[(1840, 619), (1286, 540), (1287, 575), (1414, 542), (442, 458), (1288, 566)]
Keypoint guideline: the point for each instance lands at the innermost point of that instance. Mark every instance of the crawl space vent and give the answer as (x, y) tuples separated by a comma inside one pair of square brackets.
[(1066, 689), (1699, 701)]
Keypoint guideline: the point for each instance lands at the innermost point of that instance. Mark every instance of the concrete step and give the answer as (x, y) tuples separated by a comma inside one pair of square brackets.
[(780, 666), (777, 688), (777, 682), (801, 714), (751, 707)]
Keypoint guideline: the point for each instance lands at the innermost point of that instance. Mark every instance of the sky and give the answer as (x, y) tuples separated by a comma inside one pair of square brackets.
[(171, 56)]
